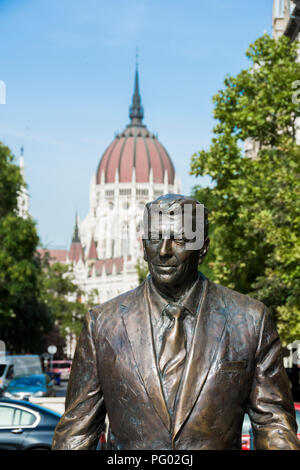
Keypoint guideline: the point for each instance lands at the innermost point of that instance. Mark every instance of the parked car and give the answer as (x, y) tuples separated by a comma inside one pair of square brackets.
[(247, 441), (246, 430), (61, 367), (19, 366), (38, 385), (26, 426)]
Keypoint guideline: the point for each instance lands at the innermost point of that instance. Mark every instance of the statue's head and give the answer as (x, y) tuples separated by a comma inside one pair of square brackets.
[(175, 240)]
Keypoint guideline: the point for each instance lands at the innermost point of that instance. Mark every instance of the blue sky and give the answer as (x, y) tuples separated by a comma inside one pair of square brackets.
[(69, 67)]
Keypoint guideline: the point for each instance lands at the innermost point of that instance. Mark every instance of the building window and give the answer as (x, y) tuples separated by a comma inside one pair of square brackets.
[(125, 239), (142, 192), (109, 193), (125, 192), (279, 12)]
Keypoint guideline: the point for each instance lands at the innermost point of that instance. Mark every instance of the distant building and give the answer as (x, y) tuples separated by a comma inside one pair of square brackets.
[(23, 197), (289, 25), (282, 11), (106, 245), (292, 26), (285, 20)]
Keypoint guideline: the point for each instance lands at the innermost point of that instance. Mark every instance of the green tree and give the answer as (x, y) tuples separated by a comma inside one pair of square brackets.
[(23, 316), (254, 202), (142, 270), (63, 297)]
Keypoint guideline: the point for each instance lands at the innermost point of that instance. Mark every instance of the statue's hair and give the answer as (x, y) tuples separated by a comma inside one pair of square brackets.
[(168, 201)]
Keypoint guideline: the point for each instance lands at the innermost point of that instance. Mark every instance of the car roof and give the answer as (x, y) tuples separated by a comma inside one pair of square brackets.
[(21, 355), (29, 404), (38, 376)]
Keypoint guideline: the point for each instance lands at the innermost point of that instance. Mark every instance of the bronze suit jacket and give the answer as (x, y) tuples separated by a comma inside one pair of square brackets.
[(234, 366)]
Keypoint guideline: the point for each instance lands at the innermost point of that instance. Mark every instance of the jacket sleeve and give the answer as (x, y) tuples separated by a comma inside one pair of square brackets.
[(271, 408), (81, 425)]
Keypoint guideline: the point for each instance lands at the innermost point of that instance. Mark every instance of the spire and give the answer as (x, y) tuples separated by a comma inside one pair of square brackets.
[(76, 238), (76, 251), (136, 111)]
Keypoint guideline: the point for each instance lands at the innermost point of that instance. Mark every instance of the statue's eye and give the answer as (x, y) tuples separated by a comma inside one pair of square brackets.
[(153, 239), (179, 241), (154, 236)]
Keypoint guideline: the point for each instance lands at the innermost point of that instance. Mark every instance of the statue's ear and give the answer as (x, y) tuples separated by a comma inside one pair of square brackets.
[(145, 253), (203, 251)]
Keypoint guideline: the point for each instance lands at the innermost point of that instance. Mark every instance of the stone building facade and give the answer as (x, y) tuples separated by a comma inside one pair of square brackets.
[(23, 197), (285, 20), (282, 11)]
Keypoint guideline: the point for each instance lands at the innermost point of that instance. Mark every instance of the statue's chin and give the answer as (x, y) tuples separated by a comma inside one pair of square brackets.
[(165, 275)]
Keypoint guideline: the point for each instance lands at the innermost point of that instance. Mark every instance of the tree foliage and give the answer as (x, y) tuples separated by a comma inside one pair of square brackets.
[(62, 296), (254, 202), (142, 270), (38, 299), (21, 309)]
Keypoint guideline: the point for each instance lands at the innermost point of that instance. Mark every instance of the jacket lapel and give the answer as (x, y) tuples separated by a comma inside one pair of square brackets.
[(136, 318), (209, 330)]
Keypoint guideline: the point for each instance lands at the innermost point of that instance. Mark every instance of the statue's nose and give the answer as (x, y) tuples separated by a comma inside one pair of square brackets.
[(165, 248)]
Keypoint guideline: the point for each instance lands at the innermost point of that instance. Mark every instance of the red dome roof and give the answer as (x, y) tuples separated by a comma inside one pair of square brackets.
[(135, 148)]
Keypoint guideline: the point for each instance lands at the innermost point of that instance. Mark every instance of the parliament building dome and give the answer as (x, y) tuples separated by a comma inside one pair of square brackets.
[(136, 148)]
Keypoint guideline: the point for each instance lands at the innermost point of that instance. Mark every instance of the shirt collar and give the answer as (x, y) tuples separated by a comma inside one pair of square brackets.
[(190, 300)]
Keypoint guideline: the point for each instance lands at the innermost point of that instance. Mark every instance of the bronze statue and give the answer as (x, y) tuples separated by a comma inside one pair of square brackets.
[(176, 362)]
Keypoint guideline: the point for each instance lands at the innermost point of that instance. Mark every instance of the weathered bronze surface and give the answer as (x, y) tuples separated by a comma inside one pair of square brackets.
[(227, 362)]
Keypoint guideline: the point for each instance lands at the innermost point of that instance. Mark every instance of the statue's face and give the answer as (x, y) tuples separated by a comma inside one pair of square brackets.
[(170, 263)]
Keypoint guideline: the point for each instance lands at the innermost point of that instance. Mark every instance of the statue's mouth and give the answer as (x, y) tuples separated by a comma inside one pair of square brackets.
[(165, 267)]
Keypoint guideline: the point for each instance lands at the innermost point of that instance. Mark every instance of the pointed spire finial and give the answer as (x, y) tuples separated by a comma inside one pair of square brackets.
[(136, 111), (76, 238), (22, 151)]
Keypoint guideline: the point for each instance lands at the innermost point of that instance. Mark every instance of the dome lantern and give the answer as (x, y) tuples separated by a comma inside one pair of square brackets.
[(136, 110)]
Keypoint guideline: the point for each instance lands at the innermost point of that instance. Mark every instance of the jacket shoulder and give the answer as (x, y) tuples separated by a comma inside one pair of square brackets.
[(111, 308), (234, 303)]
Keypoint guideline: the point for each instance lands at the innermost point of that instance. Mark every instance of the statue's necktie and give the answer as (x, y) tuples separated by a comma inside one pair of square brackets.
[(173, 352)]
